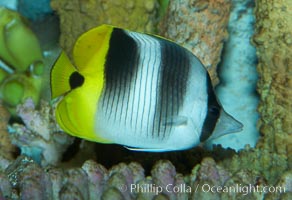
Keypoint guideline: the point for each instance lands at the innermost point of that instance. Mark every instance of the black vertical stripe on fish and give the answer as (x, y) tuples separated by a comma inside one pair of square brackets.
[(129, 104), (213, 112), (126, 89), (117, 94), (156, 122), (165, 57), (166, 98), (173, 100), (133, 94), (121, 60), (161, 94), (175, 66)]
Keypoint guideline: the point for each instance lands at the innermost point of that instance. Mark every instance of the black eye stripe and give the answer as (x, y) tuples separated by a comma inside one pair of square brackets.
[(76, 80)]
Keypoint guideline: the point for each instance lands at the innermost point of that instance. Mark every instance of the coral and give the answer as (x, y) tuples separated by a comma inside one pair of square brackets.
[(5, 186), (284, 182), (242, 183), (269, 164), (25, 179), (91, 181), (13, 46), (168, 181), (28, 176), (97, 177), (238, 76), (78, 16), (200, 26), (273, 40), (6, 148), (163, 5), (21, 68), (17, 87), (39, 137), (3, 74)]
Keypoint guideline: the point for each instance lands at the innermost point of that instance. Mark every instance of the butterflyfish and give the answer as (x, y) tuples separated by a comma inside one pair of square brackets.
[(138, 90)]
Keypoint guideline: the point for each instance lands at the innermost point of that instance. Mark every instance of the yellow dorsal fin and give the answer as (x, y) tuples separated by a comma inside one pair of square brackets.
[(60, 75), (91, 45)]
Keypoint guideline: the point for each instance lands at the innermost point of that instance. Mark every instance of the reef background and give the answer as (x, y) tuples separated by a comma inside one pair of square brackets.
[(269, 163), (273, 40), (76, 17)]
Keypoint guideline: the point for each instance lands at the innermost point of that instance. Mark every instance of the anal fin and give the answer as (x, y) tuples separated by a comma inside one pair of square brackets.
[(145, 149)]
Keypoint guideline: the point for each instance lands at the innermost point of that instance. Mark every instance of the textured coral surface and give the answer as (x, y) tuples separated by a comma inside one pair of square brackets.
[(78, 16), (199, 26), (39, 136), (25, 179), (6, 148), (273, 40)]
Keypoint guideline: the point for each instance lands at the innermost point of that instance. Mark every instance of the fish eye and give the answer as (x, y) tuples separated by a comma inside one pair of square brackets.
[(76, 80), (214, 110)]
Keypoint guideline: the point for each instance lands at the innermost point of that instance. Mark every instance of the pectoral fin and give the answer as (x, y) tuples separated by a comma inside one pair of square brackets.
[(176, 121)]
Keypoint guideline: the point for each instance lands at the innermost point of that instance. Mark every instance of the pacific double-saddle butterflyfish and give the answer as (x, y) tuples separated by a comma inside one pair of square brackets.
[(138, 90)]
